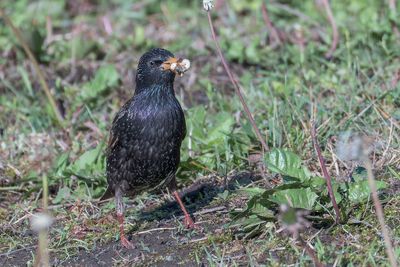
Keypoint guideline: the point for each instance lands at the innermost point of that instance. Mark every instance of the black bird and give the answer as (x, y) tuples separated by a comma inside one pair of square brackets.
[(146, 135)]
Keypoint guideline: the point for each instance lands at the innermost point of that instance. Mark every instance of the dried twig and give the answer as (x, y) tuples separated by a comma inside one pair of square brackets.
[(324, 171), (154, 230), (39, 73), (274, 38), (335, 32), (235, 85)]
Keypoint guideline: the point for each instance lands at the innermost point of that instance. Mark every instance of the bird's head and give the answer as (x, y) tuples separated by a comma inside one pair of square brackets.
[(159, 67)]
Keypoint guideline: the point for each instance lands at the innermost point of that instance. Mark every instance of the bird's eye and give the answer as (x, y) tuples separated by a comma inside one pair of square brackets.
[(152, 63)]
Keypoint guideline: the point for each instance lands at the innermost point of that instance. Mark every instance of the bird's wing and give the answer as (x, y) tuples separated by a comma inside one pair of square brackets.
[(113, 138)]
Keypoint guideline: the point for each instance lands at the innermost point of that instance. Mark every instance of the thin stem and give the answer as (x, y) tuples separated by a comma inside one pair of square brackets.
[(270, 26), (379, 212), (335, 32), (45, 193), (392, 6), (39, 73), (324, 171), (236, 86)]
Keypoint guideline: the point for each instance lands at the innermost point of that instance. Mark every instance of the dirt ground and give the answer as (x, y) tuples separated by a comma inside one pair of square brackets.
[(164, 242)]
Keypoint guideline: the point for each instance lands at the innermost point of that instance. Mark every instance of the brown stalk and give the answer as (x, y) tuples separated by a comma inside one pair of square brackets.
[(38, 71), (324, 171), (236, 86), (379, 210), (335, 32), (274, 33), (392, 6)]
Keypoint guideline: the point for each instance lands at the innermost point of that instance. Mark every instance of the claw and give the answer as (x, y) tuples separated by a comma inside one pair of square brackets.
[(189, 223), (126, 243)]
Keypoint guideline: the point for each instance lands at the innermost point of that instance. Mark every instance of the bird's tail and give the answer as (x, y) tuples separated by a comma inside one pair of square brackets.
[(108, 194)]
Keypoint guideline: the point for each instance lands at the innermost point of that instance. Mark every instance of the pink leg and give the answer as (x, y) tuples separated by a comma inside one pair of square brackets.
[(120, 217), (124, 241), (188, 222)]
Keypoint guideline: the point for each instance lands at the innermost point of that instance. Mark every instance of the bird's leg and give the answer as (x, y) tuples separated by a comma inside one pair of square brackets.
[(120, 217), (188, 222)]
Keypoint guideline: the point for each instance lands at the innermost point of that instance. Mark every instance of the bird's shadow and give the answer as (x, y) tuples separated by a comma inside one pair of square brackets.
[(197, 196)]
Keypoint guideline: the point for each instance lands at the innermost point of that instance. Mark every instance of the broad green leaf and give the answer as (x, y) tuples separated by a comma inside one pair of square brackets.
[(89, 162), (105, 78), (359, 174), (222, 127), (287, 164), (317, 181), (195, 123), (253, 191), (360, 191), (262, 211), (297, 198), (236, 50), (62, 195), (61, 164), (85, 160)]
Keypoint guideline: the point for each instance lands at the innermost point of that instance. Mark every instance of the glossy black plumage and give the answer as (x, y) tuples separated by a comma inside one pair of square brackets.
[(146, 134)]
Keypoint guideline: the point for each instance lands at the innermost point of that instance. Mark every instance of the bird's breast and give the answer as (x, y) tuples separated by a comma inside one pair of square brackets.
[(159, 128)]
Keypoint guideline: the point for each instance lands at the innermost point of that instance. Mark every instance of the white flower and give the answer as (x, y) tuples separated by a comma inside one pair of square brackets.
[(41, 221), (208, 5)]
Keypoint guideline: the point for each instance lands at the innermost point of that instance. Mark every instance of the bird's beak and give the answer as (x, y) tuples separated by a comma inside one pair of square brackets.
[(176, 65)]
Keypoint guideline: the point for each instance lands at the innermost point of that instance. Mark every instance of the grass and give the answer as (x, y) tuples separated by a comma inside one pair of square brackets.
[(89, 70)]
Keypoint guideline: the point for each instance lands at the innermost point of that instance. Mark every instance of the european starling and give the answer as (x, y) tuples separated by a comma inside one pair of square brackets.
[(146, 134)]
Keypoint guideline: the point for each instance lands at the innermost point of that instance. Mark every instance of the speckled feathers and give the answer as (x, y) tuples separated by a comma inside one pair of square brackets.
[(146, 134)]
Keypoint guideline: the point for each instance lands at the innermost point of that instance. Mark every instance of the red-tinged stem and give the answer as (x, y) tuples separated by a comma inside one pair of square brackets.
[(392, 6), (324, 171), (335, 37), (270, 26), (379, 210), (236, 86)]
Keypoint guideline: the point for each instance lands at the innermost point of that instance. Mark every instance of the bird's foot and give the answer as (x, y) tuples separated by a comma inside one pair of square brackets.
[(189, 223), (126, 243)]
